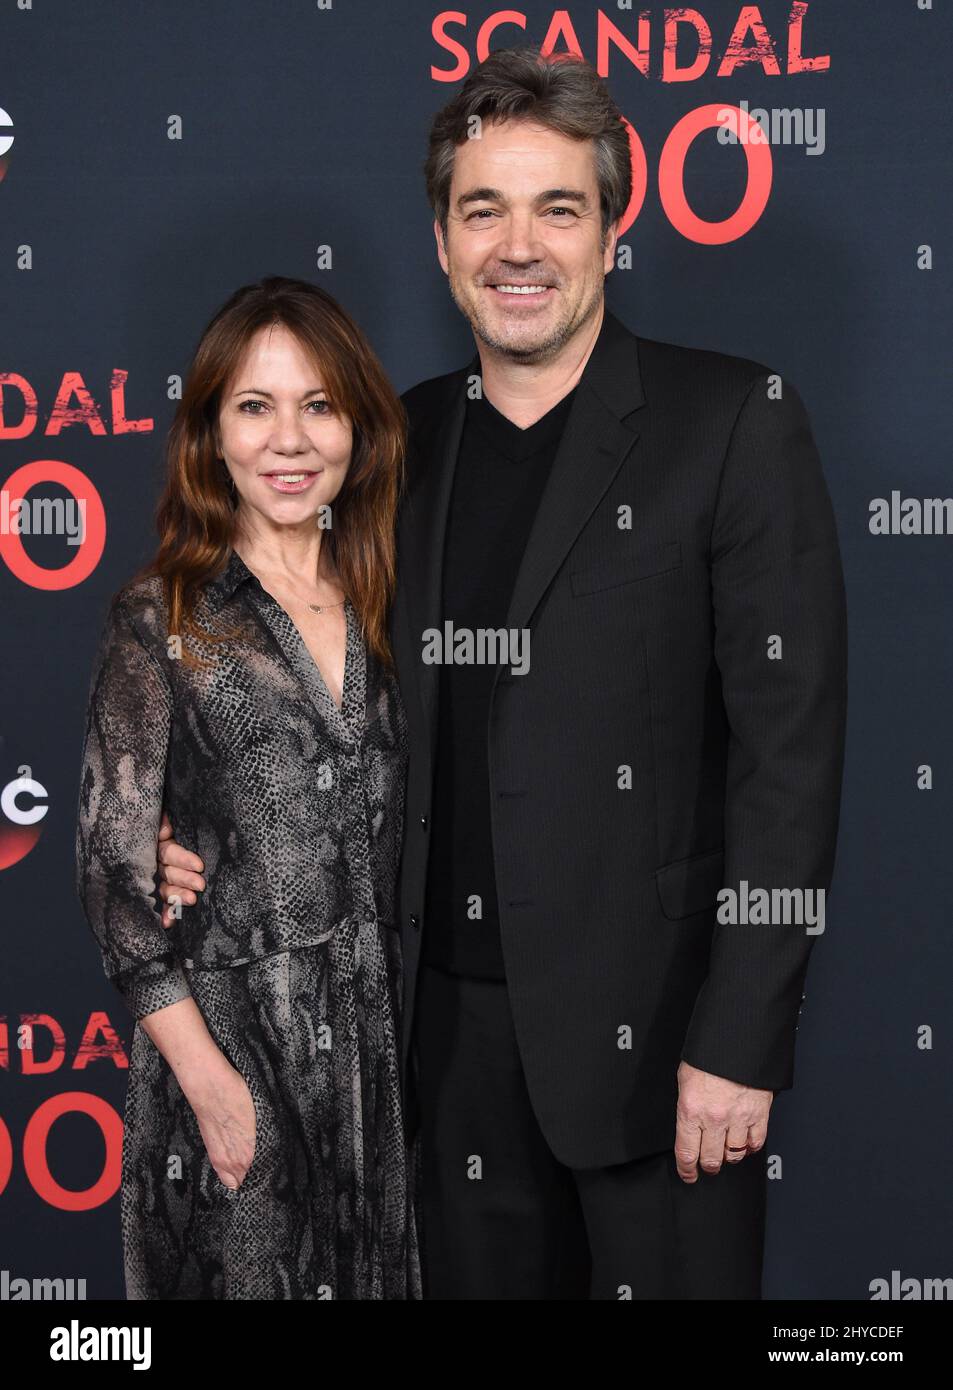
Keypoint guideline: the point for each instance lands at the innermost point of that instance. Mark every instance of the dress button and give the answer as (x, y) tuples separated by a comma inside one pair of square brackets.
[(414, 922), (423, 822)]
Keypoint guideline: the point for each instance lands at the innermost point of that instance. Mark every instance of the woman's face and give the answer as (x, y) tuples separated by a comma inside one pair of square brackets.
[(284, 448)]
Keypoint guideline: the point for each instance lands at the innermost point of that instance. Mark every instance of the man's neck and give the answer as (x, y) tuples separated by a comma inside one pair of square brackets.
[(524, 393)]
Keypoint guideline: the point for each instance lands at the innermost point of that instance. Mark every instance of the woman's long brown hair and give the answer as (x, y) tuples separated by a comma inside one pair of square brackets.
[(196, 515)]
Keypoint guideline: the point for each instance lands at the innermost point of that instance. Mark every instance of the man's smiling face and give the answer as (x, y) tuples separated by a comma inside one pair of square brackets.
[(524, 252)]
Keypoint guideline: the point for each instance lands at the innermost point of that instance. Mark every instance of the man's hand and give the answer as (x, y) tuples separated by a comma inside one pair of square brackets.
[(180, 873), (715, 1117)]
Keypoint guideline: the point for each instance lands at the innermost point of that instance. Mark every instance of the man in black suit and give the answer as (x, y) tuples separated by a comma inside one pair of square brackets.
[(647, 530), (620, 638)]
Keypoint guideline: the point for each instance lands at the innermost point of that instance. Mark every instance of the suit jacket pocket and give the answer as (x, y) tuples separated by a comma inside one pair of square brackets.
[(691, 885), (639, 564)]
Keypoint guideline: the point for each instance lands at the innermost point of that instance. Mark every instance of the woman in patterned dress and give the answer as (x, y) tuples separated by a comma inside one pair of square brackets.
[(244, 683)]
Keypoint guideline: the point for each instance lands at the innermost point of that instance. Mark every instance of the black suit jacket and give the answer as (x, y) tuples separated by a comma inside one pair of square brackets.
[(659, 747)]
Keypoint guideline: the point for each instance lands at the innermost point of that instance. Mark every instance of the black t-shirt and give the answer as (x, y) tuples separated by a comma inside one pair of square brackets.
[(500, 475)]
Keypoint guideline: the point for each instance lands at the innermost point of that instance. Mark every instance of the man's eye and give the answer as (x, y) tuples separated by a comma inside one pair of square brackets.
[(569, 210), (481, 212)]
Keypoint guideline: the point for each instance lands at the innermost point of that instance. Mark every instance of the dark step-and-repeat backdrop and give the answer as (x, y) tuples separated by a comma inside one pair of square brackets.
[(155, 156)]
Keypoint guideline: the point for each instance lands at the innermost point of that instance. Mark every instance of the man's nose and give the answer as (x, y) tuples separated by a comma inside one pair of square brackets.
[(519, 240)]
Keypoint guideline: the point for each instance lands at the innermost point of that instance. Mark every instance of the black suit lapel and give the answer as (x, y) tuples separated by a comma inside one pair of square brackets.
[(594, 445), (593, 448)]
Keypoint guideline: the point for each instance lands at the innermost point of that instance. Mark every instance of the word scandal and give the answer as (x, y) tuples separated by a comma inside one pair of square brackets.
[(99, 1042), (81, 517), (677, 46), (650, 44)]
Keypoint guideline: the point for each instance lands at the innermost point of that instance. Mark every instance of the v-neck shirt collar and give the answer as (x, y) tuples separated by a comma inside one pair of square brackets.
[(508, 438)]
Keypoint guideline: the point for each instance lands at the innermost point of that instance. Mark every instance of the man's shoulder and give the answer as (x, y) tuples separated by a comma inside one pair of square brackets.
[(672, 368), (421, 399), (671, 372), (668, 369)]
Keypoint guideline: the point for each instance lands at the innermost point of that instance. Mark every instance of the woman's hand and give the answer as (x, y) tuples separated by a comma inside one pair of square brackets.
[(223, 1105), (218, 1094)]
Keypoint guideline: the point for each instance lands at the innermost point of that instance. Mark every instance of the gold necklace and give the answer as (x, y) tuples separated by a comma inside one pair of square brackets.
[(320, 607)]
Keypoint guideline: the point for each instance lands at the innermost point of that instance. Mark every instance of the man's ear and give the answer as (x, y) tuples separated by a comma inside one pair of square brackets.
[(441, 246), (612, 238)]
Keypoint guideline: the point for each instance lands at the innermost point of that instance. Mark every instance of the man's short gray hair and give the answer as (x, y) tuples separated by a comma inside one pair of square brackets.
[(563, 93)]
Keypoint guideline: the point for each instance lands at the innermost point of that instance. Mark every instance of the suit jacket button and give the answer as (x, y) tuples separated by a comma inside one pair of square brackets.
[(414, 923), (423, 822)]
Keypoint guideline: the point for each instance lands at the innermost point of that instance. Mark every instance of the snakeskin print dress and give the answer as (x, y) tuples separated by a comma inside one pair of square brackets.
[(292, 953)]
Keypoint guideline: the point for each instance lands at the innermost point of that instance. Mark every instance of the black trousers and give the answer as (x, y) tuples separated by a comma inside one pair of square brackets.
[(503, 1219)]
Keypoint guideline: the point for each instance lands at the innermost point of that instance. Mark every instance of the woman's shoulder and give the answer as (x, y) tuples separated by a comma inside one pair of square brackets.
[(141, 602)]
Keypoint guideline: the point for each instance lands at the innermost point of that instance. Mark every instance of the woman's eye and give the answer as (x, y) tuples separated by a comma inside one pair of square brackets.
[(250, 407)]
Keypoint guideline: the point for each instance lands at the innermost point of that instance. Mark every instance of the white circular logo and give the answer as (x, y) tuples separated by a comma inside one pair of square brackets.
[(5, 140)]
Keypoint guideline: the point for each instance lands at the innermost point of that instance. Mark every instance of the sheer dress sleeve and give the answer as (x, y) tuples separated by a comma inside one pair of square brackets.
[(128, 725)]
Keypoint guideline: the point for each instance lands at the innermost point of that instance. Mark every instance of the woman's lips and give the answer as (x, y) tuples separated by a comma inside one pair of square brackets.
[(281, 482)]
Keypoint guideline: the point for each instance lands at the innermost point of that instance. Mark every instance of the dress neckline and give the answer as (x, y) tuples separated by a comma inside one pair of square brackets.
[(348, 718)]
